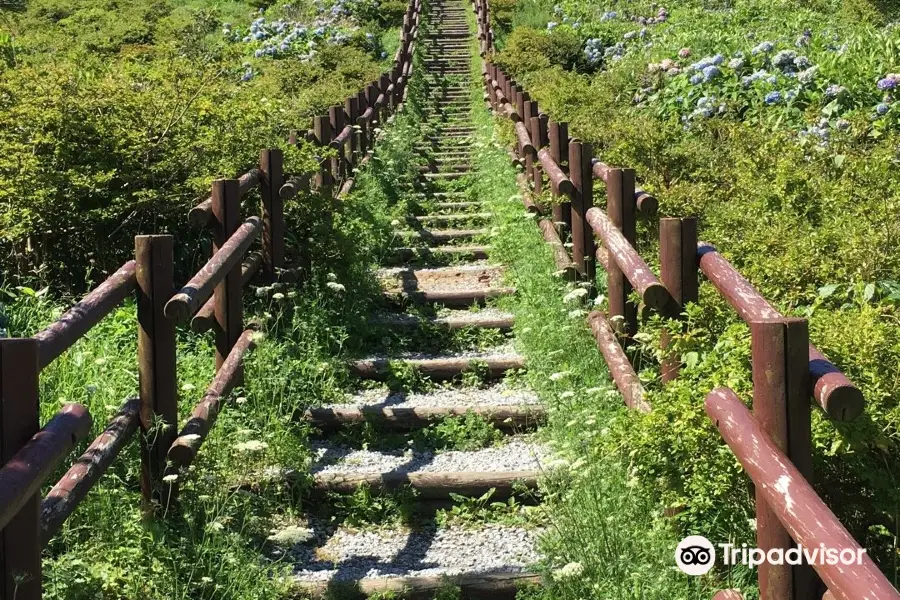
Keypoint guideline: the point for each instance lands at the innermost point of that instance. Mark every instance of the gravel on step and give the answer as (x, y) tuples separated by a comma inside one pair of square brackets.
[(499, 394), (431, 551), (507, 350), (516, 454), (458, 318)]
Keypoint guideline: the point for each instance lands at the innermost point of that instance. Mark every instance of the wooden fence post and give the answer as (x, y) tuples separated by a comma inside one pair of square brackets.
[(351, 112), (339, 162), (362, 104), (678, 273), (539, 139), (559, 151), (156, 361), (324, 178), (527, 113), (375, 121), (226, 209), (620, 208), (271, 164), (780, 355), (20, 540), (583, 248)]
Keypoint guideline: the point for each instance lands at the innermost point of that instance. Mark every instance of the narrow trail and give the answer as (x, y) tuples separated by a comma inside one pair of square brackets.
[(444, 285)]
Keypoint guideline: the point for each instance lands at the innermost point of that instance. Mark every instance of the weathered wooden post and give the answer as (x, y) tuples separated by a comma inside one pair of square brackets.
[(351, 112), (539, 138), (271, 165), (154, 255), (583, 247), (362, 103), (780, 355), (678, 272), (20, 540), (339, 162), (620, 208), (559, 144), (528, 111), (324, 179), (226, 209)]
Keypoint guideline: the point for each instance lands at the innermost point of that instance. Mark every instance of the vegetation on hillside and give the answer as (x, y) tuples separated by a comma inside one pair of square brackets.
[(775, 123)]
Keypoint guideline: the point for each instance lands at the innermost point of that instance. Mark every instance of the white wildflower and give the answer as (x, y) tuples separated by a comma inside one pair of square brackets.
[(170, 478), (240, 400), (567, 395), (331, 277), (291, 535), (575, 294), (337, 287), (574, 314), (187, 387), (251, 446), (560, 375), (573, 569)]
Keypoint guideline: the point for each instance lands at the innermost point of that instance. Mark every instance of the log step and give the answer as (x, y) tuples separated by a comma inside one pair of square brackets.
[(457, 319), (430, 486), (445, 235), (453, 218), (438, 368), (474, 586), (512, 418), (450, 298), (440, 253)]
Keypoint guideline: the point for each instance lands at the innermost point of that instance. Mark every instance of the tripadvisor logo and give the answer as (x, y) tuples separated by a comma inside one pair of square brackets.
[(695, 555)]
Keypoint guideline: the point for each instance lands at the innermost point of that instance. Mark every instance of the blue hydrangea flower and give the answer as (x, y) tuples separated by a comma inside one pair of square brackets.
[(696, 79), (711, 72), (629, 35), (784, 59), (806, 77), (551, 25), (756, 76), (609, 16), (736, 64), (763, 48), (772, 98), (834, 90), (842, 125), (882, 109)]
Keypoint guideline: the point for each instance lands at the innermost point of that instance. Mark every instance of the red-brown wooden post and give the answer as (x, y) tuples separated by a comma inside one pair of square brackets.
[(678, 272), (583, 248), (271, 164), (351, 112), (559, 150), (324, 178), (621, 210), (383, 82), (527, 113), (226, 209), (154, 255), (780, 355), (362, 104), (20, 540), (539, 136), (372, 91), (339, 162)]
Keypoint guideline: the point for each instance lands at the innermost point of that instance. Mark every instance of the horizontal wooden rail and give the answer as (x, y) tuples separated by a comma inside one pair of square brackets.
[(561, 257), (72, 488), (200, 215), (524, 137), (22, 476), (794, 501), (342, 138), (199, 289), (653, 293), (619, 366), (294, 185), (206, 316), (561, 184), (646, 203), (78, 320), (833, 391), (183, 450)]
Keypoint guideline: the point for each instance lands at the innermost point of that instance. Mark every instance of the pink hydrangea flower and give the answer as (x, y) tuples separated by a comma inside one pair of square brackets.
[(684, 52)]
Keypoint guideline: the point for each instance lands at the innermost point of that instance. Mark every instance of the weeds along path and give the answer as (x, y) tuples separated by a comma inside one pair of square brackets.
[(453, 450)]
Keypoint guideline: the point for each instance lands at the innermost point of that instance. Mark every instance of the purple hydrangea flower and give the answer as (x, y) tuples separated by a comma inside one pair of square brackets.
[(889, 82), (696, 79), (684, 53), (736, 64), (834, 90), (882, 109), (763, 48)]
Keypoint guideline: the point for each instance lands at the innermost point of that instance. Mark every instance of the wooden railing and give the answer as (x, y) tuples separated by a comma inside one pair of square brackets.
[(212, 299), (774, 442)]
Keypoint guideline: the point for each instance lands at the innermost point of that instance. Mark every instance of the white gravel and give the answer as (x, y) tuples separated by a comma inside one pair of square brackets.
[(496, 395), (504, 351), (352, 555), (517, 454)]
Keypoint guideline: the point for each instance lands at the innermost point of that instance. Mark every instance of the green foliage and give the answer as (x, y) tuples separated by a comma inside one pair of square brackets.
[(467, 432), (530, 49)]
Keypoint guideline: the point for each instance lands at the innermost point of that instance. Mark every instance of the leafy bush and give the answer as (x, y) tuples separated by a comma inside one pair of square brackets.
[(529, 50)]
